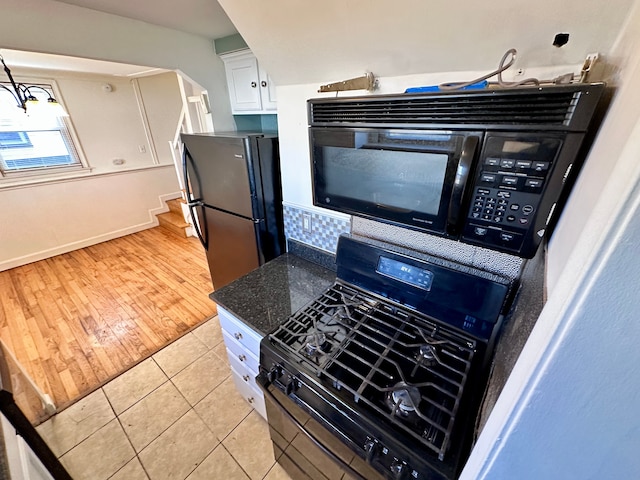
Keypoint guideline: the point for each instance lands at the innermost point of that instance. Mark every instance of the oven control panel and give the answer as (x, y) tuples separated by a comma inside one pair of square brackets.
[(378, 454), (512, 175), (406, 273)]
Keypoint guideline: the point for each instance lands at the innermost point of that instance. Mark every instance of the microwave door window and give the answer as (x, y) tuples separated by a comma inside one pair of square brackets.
[(400, 181)]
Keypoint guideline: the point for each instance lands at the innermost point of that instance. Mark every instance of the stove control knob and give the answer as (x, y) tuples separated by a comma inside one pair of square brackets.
[(398, 469), (274, 373), (370, 449), (292, 386)]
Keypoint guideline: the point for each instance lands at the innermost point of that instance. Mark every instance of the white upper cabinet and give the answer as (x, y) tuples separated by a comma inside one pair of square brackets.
[(251, 90)]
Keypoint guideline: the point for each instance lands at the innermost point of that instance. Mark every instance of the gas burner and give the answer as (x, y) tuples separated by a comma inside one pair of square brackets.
[(403, 399), (316, 344), (427, 356), (342, 315)]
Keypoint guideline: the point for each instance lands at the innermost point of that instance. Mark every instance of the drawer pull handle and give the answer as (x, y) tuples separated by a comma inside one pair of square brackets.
[(254, 84), (245, 378), (237, 336), (237, 155), (250, 399), (242, 358), (263, 83)]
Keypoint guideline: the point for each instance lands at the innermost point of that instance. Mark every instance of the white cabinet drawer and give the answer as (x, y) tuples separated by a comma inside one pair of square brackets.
[(237, 352), (249, 376), (239, 331), (243, 351), (249, 391)]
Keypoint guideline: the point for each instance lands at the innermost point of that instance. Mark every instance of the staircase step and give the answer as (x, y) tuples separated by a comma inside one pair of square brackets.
[(174, 223), (175, 205)]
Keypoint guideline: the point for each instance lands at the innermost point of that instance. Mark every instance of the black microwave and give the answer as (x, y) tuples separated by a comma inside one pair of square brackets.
[(489, 168)]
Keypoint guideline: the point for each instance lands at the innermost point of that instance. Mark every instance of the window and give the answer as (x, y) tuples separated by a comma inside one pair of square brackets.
[(35, 142)]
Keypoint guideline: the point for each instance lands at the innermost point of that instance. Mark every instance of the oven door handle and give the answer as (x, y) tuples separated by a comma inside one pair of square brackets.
[(264, 385), (463, 171)]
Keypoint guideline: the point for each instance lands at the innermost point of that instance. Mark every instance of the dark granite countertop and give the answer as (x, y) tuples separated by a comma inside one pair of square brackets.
[(265, 297)]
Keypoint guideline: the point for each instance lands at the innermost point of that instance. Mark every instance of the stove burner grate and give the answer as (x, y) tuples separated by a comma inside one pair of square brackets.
[(403, 399), (318, 329), (316, 343), (402, 367)]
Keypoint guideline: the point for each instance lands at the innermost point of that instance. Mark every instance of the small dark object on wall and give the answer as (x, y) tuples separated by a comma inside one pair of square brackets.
[(560, 39)]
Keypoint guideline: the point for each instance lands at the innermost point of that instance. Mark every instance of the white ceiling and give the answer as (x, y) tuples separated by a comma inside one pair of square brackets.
[(198, 17), (20, 59)]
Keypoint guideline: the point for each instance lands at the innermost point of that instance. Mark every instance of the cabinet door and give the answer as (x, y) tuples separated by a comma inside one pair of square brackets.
[(241, 332), (244, 356), (244, 84), (22, 462), (267, 91), (251, 394)]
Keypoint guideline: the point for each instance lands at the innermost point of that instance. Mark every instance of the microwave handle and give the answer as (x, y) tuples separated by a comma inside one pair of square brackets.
[(463, 171)]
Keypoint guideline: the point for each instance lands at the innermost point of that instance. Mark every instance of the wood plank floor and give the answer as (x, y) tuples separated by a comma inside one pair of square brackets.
[(76, 320)]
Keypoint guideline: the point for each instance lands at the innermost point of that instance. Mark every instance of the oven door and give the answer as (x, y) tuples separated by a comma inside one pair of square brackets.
[(411, 177), (303, 447)]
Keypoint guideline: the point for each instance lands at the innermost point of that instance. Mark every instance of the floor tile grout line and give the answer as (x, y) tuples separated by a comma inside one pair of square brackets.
[(138, 401), (96, 430), (135, 452), (95, 433), (203, 420), (205, 396), (205, 424), (269, 471), (234, 458), (166, 379), (191, 407), (135, 457), (173, 343), (206, 456), (157, 436), (143, 397)]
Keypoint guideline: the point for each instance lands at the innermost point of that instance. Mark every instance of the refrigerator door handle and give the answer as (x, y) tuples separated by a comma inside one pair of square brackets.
[(204, 239), (187, 183), (192, 203)]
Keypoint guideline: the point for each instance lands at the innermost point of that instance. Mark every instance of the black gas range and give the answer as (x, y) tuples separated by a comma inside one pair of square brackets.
[(382, 375)]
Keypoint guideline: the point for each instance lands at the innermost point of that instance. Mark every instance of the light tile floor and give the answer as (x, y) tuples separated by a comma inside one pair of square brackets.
[(174, 416)]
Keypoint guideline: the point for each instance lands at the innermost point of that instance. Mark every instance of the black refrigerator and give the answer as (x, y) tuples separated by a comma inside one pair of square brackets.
[(232, 181)]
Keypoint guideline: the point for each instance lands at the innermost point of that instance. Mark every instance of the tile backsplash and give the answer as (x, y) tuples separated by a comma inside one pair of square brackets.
[(325, 229)]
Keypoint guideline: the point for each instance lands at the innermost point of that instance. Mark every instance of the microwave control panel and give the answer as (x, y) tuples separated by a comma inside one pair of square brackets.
[(510, 178)]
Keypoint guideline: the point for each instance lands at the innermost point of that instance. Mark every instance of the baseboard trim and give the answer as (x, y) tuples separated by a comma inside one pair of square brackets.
[(87, 242), (163, 208)]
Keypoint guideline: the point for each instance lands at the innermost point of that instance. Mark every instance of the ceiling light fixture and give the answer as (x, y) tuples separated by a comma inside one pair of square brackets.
[(24, 96)]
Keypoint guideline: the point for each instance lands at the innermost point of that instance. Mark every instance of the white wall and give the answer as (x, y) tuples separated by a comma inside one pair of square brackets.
[(162, 105), (53, 27), (100, 118), (45, 216), (41, 221), (299, 43), (603, 158), (569, 408)]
